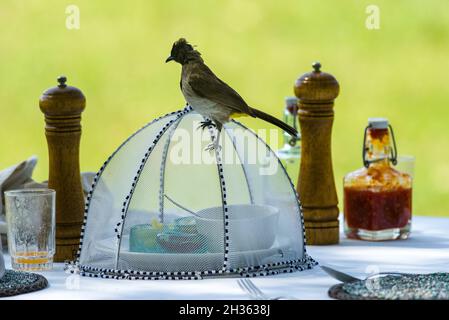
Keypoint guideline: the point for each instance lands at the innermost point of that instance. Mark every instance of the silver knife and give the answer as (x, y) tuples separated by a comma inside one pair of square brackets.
[(343, 277)]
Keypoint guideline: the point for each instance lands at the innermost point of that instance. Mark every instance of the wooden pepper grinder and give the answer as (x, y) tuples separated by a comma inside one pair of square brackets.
[(316, 92), (62, 106)]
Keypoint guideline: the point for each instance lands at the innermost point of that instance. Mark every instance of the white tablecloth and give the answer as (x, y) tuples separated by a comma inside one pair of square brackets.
[(427, 250)]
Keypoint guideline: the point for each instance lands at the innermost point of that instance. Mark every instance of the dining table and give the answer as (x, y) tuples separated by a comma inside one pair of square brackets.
[(425, 251)]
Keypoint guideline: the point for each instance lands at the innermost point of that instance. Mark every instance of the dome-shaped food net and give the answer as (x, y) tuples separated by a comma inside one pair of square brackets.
[(163, 207)]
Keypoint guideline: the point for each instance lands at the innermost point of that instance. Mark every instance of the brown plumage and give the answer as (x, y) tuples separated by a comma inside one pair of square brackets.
[(209, 95)]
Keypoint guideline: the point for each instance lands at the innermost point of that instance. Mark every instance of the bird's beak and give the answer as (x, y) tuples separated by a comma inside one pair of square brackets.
[(170, 58)]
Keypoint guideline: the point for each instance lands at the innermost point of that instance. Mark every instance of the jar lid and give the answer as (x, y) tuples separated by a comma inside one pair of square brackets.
[(317, 86), (378, 123), (62, 99), (291, 100)]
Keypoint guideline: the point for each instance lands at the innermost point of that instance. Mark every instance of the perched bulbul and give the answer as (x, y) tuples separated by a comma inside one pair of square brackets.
[(210, 96)]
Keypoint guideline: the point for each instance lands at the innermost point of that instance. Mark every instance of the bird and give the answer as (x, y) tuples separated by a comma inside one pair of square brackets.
[(211, 97)]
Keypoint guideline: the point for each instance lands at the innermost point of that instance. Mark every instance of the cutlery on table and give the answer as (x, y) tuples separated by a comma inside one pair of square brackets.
[(256, 294), (344, 277)]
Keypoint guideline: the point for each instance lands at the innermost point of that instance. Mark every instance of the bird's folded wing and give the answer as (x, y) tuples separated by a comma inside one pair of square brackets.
[(207, 85)]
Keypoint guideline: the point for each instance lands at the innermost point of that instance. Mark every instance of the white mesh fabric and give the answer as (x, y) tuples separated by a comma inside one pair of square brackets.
[(271, 188), (192, 185), (109, 193), (163, 207)]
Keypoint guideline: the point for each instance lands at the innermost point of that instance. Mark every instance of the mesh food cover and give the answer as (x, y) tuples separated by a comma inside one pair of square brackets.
[(164, 207)]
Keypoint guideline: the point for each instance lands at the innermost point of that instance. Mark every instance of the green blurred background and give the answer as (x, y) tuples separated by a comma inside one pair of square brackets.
[(259, 46)]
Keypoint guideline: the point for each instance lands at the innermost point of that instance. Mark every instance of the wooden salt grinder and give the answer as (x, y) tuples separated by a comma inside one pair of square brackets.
[(316, 92), (62, 106)]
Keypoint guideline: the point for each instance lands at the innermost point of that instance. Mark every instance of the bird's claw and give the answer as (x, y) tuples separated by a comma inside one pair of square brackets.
[(213, 146), (206, 124)]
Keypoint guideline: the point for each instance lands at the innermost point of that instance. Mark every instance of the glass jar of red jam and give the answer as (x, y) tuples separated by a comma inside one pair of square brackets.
[(378, 198)]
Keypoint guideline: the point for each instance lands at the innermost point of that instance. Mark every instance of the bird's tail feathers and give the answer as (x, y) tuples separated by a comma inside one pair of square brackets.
[(278, 123)]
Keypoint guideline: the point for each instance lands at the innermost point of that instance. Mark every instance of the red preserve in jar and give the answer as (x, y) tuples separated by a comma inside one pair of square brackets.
[(377, 198)]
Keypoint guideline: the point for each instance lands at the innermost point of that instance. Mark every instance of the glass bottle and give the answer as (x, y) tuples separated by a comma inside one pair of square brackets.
[(290, 153), (378, 198)]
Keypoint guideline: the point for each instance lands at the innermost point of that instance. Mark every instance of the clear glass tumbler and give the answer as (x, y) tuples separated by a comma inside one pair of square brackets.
[(406, 163), (2, 262), (30, 215)]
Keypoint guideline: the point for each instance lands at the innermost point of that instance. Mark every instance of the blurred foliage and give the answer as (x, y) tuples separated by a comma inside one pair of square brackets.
[(258, 46)]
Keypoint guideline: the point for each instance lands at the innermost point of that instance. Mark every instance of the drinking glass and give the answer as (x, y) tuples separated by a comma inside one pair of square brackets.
[(30, 214), (2, 262), (406, 164)]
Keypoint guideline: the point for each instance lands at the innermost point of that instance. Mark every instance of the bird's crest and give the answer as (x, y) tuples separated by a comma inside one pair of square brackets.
[(183, 50)]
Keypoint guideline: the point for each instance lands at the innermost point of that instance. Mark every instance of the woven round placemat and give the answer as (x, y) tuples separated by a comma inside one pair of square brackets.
[(17, 282), (337, 292), (432, 286)]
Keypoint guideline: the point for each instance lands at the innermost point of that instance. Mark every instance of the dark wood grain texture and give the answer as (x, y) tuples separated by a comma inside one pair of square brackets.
[(316, 92), (62, 106)]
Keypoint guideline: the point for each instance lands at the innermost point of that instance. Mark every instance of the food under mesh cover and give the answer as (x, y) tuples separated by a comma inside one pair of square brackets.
[(163, 207)]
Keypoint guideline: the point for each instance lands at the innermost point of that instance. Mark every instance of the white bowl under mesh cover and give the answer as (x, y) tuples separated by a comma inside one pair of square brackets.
[(247, 222)]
